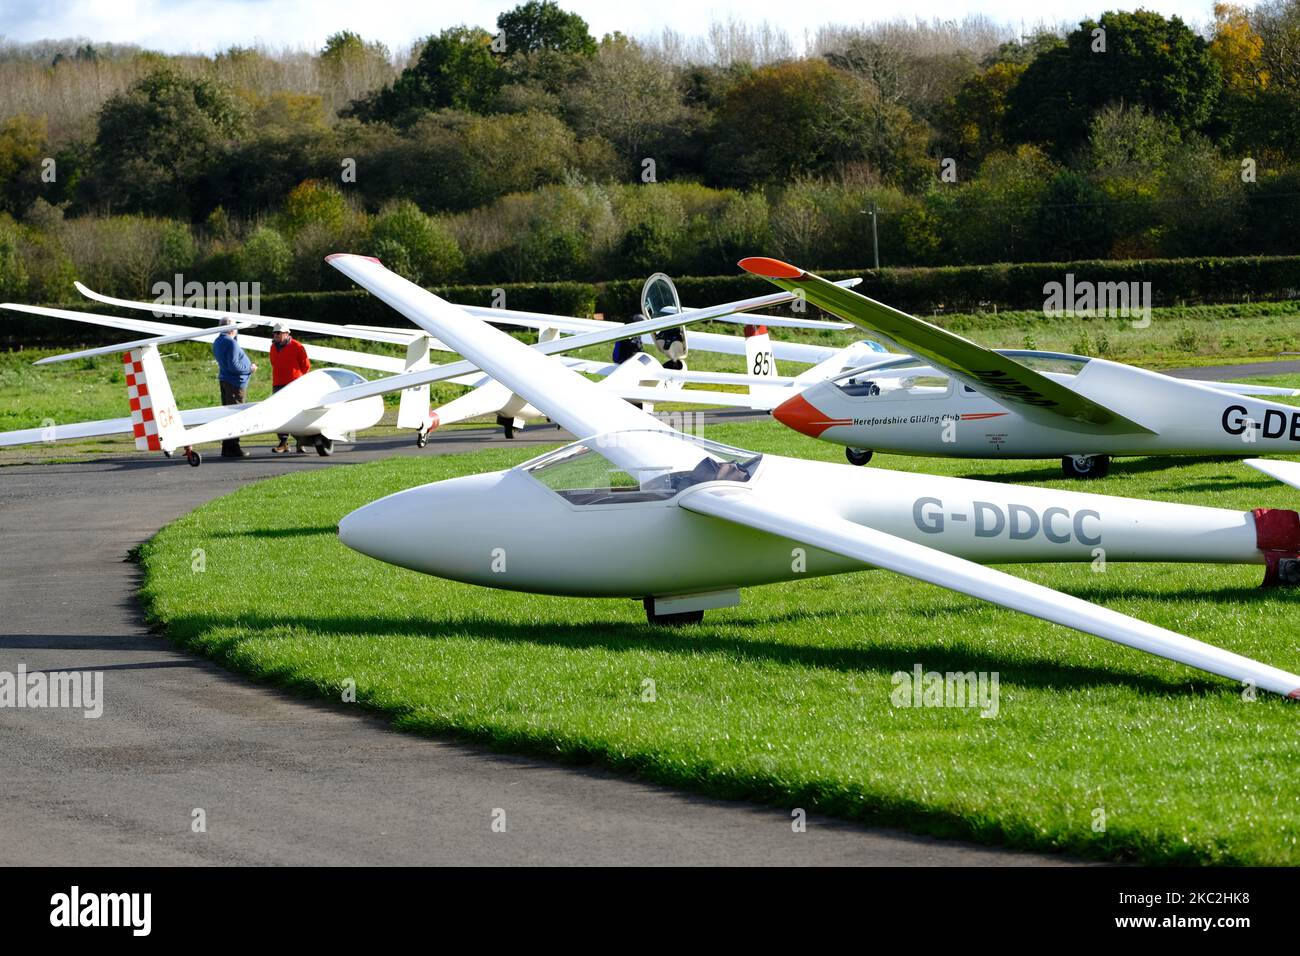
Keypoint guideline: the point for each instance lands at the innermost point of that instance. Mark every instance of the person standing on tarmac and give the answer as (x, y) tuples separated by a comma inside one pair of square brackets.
[(288, 362), (233, 372)]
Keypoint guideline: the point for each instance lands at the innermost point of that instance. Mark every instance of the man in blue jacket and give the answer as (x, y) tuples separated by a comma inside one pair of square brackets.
[(233, 372)]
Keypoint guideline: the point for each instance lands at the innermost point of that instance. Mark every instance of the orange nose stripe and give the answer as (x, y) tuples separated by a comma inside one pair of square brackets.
[(805, 417)]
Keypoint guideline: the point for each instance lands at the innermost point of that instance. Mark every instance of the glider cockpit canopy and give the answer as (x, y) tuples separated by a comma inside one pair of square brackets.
[(584, 473), (344, 378), (658, 299), (918, 376)]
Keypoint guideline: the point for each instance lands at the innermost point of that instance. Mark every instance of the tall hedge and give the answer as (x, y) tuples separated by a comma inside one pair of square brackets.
[(923, 291), (1008, 286)]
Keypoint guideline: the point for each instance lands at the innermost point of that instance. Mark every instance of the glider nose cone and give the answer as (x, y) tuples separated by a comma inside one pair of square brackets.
[(435, 528), (378, 529), (803, 416)]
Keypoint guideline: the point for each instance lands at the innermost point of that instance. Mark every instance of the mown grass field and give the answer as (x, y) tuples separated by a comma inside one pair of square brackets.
[(1097, 749)]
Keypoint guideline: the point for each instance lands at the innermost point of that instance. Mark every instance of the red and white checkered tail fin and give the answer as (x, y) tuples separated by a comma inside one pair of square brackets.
[(155, 420)]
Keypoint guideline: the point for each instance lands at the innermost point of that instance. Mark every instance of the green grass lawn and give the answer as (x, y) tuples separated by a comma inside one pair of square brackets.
[(786, 698)]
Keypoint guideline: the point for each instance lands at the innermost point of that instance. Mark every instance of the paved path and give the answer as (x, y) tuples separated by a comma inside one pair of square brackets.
[(284, 780), (1227, 373)]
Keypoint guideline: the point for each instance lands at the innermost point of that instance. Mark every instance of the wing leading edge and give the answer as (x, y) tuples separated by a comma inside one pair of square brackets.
[(109, 426)]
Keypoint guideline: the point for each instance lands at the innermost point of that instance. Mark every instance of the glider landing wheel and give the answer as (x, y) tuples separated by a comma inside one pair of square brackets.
[(670, 620), (507, 425), (194, 458), (857, 456), (421, 439), (1085, 466), (324, 446)]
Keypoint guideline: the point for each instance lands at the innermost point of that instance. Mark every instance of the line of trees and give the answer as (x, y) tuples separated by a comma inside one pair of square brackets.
[(536, 152)]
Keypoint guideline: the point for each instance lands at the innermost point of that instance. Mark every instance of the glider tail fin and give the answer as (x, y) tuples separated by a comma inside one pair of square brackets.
[(155, 419), (760, 362), (414, 410)]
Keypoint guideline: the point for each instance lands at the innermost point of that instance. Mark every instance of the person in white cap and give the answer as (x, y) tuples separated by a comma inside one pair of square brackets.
[(234, 368), (288, 362)]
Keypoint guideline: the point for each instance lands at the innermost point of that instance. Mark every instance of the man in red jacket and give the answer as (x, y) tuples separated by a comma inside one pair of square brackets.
[(288, 362)]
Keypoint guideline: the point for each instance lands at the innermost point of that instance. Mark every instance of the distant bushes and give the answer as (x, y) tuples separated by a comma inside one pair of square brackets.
[(1009, 286), (429, 253), (1026, 210), (587, 232), (599, 232), (126, 255)]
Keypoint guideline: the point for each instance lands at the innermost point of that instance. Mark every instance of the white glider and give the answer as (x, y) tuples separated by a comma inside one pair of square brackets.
[(486, 397), (636, 509), (159, 425), (325, 405), (955, 398), (658, 298)]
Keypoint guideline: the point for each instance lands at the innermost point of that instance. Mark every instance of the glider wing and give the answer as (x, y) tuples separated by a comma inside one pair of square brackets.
[(577, 403), (879, 549), (153, 340), (367, 333), (109, 426), (408, 298), (319, 353)]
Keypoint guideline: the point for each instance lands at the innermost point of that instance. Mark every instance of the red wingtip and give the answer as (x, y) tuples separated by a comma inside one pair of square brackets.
[(770, 268), (337, 255)]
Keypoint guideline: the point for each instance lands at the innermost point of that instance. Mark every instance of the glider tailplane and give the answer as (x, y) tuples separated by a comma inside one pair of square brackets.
[(155, 419)]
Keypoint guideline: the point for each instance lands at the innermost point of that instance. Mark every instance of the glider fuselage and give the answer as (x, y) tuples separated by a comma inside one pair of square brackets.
[(296, 409), (932, 414), (509, 530)]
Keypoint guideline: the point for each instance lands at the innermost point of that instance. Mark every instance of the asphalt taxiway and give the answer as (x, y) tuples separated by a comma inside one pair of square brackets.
[(281, 779)]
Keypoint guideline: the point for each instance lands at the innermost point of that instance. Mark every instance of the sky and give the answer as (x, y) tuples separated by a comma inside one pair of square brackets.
[(207, 26)]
